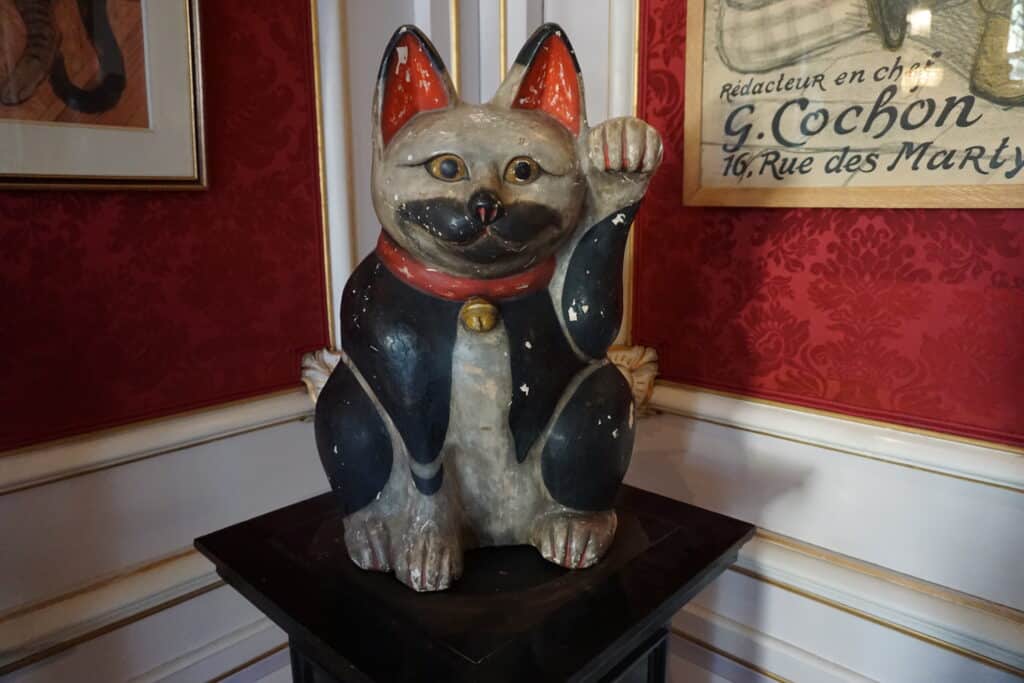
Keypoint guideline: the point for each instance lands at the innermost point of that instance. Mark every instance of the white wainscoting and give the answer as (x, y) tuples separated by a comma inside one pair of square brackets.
[(890, 572), (58, 460)]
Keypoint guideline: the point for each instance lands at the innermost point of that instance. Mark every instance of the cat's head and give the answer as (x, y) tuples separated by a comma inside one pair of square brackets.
[(478, 190)]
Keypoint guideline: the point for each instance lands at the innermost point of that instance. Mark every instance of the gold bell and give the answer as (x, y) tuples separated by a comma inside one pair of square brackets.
[(478, 315)]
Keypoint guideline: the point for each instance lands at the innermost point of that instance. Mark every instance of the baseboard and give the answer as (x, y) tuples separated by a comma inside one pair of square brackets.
[(35, 631), (753, 650), (240, 650), (50, 462), (971, 461), (979, 630)]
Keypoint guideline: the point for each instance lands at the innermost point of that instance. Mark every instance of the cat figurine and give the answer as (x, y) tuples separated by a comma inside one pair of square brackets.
[(473, 404)]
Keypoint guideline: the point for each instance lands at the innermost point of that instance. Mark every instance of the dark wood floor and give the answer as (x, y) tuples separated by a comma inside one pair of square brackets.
[(80, 58)]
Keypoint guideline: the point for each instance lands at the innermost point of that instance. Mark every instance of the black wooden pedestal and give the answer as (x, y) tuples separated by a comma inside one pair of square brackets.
[(511, 617)]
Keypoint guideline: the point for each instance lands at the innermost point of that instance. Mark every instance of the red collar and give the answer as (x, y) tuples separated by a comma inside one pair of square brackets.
[(454, 288)]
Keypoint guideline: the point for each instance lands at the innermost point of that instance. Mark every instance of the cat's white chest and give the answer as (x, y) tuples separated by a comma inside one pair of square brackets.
[(479, 447)]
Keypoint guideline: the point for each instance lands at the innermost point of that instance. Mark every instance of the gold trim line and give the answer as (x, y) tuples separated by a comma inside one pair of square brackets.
[(970, 441), (453, 29), (249, 662), (56, 648), (502, 39), (321, 153), (727, 655), (853, 611), (893, 577)]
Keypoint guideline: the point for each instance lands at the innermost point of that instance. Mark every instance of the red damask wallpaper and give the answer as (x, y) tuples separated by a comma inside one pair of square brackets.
[(910, 316), (120, 306)]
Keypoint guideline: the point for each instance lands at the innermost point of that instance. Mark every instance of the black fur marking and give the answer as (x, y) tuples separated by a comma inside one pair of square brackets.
[(524, 227), (542, 361), (353, 441), (112, 79), (588, 450), (533, 43), (446, 219), (592, 292), (429, 487), (401, 340), (525, 221)]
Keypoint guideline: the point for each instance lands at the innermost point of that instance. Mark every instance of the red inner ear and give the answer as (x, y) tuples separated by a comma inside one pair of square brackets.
[(551, 85), (412, 84)]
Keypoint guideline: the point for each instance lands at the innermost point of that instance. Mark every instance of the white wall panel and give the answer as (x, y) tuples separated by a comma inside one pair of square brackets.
[(370, 25), (69, 533), (937, 528), (586, 23), (840, 641), (146, 649)]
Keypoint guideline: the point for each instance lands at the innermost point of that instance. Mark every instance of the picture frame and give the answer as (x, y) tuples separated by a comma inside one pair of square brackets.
[(795, 111), (119, 105)]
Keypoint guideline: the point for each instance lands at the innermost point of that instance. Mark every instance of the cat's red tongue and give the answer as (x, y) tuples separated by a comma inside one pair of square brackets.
[(454, 288)]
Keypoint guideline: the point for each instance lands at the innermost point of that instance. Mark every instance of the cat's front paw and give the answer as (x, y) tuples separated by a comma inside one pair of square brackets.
[(574, 539), (368, 542), (624, 145), (431, 559)]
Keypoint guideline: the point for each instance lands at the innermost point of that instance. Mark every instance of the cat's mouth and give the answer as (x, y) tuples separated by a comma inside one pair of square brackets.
[(455, 230)]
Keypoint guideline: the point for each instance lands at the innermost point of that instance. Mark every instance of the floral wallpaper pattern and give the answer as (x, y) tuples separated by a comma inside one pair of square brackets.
[(909, 316)]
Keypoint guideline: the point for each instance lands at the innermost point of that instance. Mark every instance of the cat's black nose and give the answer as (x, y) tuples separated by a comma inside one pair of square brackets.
[(485, 207)]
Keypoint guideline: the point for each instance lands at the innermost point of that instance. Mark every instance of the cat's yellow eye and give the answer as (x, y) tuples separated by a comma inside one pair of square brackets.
[(447, 167), (522, 171)]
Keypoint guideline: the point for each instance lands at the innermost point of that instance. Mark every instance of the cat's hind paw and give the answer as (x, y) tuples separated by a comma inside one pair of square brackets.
[(575, 540)]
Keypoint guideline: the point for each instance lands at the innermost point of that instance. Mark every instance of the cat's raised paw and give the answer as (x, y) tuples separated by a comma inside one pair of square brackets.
[(431, 560), (626, 145), (575, 540)]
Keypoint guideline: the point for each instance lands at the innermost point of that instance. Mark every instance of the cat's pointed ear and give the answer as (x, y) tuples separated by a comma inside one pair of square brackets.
[(412, 78), (546, 77)]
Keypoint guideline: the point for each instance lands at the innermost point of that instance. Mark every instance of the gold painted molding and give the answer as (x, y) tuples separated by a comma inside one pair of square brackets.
[(454, 40), (39, 630), (680, 399), (913, 583), (249, 662), (860, 614), (994, 445), (676, 631), (502, 39), (321, 156), (639, 365)]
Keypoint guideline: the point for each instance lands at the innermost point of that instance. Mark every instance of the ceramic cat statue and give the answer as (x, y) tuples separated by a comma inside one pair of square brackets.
[(473, 404)]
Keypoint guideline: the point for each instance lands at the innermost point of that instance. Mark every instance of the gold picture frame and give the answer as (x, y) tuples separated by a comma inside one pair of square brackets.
[(166, 151), (910, 182)]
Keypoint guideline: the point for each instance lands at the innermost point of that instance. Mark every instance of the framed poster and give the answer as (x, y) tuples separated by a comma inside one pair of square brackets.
[(100, 93), (893, 103)]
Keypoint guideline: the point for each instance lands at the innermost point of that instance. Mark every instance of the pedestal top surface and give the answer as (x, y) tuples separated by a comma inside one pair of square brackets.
[(512, 616)]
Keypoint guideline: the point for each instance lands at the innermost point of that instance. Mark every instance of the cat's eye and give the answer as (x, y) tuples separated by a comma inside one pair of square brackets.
[(447, 167), (522, 170)]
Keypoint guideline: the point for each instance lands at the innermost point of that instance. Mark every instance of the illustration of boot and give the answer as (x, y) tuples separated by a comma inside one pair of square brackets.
[(998, 74)]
